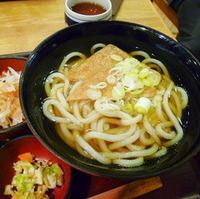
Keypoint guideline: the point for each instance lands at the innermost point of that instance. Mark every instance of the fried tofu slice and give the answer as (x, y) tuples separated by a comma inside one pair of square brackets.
[(94, 70)]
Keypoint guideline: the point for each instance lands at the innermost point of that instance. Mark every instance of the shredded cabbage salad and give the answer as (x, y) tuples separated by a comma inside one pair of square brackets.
[(34, 178), (10, 109)]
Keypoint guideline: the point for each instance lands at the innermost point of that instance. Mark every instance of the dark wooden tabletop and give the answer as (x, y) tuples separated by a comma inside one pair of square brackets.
[(179, 183)]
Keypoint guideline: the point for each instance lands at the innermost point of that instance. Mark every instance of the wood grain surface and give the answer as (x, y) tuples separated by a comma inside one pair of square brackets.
[(26, 23)]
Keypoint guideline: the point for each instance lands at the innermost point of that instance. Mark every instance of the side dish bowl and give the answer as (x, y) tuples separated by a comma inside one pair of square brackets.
[(182, 65), (17, 63), (29, 144)]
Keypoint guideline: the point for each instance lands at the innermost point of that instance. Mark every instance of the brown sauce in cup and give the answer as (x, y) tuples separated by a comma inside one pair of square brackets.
[(87, 8)]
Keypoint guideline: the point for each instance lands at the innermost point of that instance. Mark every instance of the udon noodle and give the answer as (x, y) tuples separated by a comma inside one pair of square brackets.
[(140, 119)]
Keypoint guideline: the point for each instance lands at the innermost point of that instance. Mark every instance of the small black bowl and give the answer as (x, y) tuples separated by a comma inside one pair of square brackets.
[(182, 65), (17, 63)]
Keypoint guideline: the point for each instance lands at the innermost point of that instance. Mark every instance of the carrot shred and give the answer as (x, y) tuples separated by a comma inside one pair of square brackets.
[(28, 157), (15, 197)]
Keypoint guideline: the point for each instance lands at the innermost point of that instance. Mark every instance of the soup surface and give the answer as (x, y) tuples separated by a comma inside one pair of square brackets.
[(87, 8), (114, 106)]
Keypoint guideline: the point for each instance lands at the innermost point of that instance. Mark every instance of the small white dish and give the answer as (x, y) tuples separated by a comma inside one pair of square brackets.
[(72, 17)]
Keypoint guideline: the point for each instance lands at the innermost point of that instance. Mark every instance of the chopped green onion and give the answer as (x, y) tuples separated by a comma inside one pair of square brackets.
[(116, 57), (118, 92), (128, 65), (152, 79), (143, 105), (143, 73)]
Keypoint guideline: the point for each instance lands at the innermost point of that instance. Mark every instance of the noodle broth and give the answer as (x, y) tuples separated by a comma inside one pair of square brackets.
[(124, 115), (181, 65)]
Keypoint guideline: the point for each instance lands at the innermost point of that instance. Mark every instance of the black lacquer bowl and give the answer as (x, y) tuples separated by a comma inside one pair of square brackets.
[(183, 67)]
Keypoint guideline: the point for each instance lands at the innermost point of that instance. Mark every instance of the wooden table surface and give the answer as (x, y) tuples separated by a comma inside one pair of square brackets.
[(25, 23)]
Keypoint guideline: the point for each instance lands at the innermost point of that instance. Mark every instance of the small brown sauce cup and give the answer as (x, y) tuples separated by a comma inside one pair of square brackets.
[(85, 11)]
